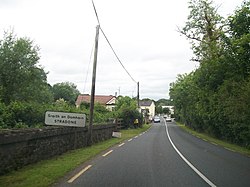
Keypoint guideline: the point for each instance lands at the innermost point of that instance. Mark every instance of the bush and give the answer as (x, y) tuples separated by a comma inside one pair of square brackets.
[(129, 117)]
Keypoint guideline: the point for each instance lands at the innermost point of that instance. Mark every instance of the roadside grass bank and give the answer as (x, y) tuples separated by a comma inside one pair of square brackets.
[(226, 145), (47, 172)]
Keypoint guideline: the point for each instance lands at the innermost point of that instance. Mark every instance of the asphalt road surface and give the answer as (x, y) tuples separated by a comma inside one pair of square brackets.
[(163, 156)]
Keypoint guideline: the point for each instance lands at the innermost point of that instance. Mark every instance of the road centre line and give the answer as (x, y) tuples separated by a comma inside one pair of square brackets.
[(187, 162), (107, 153), (121, 144), (79, 174)]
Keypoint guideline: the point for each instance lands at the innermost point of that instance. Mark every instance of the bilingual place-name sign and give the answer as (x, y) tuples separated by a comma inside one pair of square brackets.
[(65, 119)]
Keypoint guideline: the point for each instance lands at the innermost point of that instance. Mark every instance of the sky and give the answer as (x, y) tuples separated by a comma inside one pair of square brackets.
[(143, 33)]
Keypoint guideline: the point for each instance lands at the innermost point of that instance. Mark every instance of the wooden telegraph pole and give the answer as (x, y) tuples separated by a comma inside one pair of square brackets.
[(92, 98), (138, 96)]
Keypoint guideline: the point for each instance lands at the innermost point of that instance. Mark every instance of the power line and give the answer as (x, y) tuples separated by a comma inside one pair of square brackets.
[(96, 12), (111, 45), (90, 58), (117, 55)]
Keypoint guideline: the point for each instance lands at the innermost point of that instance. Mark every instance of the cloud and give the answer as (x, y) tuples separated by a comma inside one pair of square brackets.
[(143, 34)]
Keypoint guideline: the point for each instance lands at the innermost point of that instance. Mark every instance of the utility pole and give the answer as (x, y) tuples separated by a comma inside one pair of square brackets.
[(92, 98), (138, 96)]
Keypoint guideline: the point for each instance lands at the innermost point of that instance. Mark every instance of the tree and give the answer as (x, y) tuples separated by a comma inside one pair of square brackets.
[(204, 29), (65, 90), (126, 109), (163, 102), (239, 25), (21, 78), (215, 97), (158, 109), (166, 111), (126, 102)]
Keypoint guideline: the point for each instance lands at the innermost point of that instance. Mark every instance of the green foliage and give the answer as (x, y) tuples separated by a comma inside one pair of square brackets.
[(158, 109), (166, 111), (204, 29), (163, 102), (160, 103), (25, 95), (48, 172), (31, 114), (21, 114), (215, 97), (21, 79), (66, 91), (126, 109)]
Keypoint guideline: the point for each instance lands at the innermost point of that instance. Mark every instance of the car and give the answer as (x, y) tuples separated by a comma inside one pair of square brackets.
[(168, 119), (157, 119)]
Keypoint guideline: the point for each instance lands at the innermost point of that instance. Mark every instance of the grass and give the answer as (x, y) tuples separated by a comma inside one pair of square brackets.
[(227, 145), (47, 172)]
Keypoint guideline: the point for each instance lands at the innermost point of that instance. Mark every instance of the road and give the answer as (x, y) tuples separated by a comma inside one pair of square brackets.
[(163, 156)]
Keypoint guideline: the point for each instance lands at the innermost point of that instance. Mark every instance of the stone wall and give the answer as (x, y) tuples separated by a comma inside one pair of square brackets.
[(25, 146)]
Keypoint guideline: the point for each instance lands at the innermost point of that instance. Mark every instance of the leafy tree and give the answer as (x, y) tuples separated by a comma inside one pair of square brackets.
[(164, 102), (126, 102), (158, 109), (126, 108), (66, 90), (204, 29), (239, 40), (215, 97), (21, 78), (85, 105), (166, 111)]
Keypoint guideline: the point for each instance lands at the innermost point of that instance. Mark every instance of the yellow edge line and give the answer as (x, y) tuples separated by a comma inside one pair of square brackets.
[(78, 174), (107, 153), (121, 145)]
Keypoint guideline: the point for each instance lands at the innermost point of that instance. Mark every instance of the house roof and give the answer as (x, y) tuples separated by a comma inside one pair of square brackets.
[(102, 99), (145, 103)]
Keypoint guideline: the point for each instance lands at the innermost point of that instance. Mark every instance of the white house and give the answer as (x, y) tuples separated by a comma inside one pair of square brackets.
[(147, 106)]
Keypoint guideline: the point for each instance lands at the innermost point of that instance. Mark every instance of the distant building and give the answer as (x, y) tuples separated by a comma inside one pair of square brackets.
[(147, 108), (106, 100)]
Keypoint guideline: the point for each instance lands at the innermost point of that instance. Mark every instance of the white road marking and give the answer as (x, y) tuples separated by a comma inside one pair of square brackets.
[(130, 140), (136, 137), (229, 149), (79, 174), (188, 163), (121, 144), (107, 153)]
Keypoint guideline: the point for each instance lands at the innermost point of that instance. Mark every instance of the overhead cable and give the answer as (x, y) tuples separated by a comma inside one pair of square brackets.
[(111, 45), (117, 56), (96, 13), (90, 58)]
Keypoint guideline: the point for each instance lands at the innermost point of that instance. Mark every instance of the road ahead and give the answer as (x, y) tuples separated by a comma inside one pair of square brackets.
[(164, 156)]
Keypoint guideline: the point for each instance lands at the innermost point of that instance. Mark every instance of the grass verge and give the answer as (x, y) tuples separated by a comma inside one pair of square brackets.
[(47, 172), (226, 145)]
